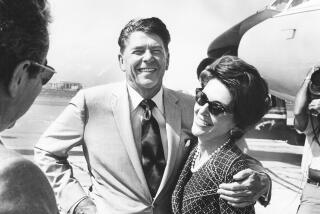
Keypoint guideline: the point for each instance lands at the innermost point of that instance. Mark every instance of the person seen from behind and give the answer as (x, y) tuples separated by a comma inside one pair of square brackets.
[(24, 42)]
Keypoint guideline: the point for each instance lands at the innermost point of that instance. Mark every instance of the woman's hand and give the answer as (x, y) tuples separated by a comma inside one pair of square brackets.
[(248, 187)]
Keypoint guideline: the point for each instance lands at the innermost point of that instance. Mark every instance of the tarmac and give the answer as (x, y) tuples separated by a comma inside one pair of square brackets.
[(283, 164)]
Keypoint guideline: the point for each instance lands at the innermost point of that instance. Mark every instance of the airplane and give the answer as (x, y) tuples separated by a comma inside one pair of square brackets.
[(282, 42)]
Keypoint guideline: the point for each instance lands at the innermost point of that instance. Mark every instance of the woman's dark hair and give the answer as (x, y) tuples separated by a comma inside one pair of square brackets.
[(248, 89)]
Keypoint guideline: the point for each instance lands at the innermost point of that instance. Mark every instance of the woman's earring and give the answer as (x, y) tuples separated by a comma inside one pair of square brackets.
[(236, 133)]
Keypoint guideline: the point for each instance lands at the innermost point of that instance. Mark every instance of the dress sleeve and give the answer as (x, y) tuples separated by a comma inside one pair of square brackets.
[(225, 208), (51, 152)]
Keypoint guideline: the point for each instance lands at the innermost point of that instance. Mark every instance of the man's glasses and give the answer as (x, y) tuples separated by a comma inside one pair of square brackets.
[(46, 71), (215, 107)]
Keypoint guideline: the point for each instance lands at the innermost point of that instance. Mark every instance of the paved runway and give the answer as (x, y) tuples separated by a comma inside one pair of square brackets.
[(283, 163)]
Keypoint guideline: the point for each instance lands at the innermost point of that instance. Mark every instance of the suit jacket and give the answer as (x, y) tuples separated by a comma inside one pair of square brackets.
[(24, 189), (98, 118)]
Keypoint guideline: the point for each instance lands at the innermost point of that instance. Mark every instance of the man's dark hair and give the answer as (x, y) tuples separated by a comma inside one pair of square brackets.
[(23, 33), (151, 25), (250, 99)]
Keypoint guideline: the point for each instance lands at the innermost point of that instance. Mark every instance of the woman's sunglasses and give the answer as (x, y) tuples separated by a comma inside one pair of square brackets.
[(215, 107), (46, 71)]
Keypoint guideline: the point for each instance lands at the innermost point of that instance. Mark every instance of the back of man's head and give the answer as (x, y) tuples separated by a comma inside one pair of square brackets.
[(151, 25), (23, 34)]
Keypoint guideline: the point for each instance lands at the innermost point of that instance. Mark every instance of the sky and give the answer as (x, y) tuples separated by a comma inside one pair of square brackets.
[(84, 34)]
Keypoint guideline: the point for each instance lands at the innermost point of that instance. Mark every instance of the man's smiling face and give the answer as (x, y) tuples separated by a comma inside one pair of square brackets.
[(145, 61)]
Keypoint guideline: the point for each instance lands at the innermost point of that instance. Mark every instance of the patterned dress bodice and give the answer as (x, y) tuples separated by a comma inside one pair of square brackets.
[(196, 192)]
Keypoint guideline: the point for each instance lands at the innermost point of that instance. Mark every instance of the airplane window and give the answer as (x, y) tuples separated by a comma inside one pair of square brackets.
[(297, 2), (279, 5)]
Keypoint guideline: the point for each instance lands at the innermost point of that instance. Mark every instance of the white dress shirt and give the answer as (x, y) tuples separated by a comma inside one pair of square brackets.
[(136, 114)]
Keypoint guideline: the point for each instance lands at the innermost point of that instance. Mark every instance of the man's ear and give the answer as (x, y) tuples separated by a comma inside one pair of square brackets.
[(168, 60), (18, 77), (121, 64)]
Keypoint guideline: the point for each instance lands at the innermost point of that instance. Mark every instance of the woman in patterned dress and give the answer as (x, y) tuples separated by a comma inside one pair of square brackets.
[(233, 98)]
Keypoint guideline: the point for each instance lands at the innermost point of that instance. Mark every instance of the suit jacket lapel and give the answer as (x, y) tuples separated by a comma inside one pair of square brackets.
[(173, 127), (121, 113)]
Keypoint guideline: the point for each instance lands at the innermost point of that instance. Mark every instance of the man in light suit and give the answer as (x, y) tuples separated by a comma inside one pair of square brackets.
[(24, 42), (107, 121)]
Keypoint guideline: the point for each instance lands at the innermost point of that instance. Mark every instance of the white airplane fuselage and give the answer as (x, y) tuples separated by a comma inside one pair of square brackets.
[(285, 47)]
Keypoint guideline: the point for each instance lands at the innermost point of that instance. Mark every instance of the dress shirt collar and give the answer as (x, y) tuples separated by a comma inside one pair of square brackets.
[(136, 99)]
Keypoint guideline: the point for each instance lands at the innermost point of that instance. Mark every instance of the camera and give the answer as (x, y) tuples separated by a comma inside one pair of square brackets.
[(314, 90), (314, 113)]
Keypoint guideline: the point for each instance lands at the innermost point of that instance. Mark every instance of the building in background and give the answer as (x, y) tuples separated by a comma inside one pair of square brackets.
[(64, 85), (61, 89)]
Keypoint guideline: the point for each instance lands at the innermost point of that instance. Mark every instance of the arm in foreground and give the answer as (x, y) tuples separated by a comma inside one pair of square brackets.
[(51, 153), (25, 189)]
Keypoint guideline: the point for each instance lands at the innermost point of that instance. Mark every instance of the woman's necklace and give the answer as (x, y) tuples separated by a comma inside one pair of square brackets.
[(197, 155)]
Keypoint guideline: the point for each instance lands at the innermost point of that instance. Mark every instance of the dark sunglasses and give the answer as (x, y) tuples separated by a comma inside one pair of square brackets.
[(46, 71), (215, 107)]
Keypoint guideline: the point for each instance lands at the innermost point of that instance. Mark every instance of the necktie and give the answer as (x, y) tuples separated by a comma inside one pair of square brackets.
[(153, 161)]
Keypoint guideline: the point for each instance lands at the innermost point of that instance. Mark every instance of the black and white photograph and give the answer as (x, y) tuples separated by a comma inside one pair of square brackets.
[(159, 107)]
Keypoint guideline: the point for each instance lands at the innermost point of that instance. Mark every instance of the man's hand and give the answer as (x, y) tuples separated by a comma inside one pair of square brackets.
[(248, 187), (86, 206)]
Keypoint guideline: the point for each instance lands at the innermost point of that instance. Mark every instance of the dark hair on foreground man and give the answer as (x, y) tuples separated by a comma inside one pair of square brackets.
[(24, 44)]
